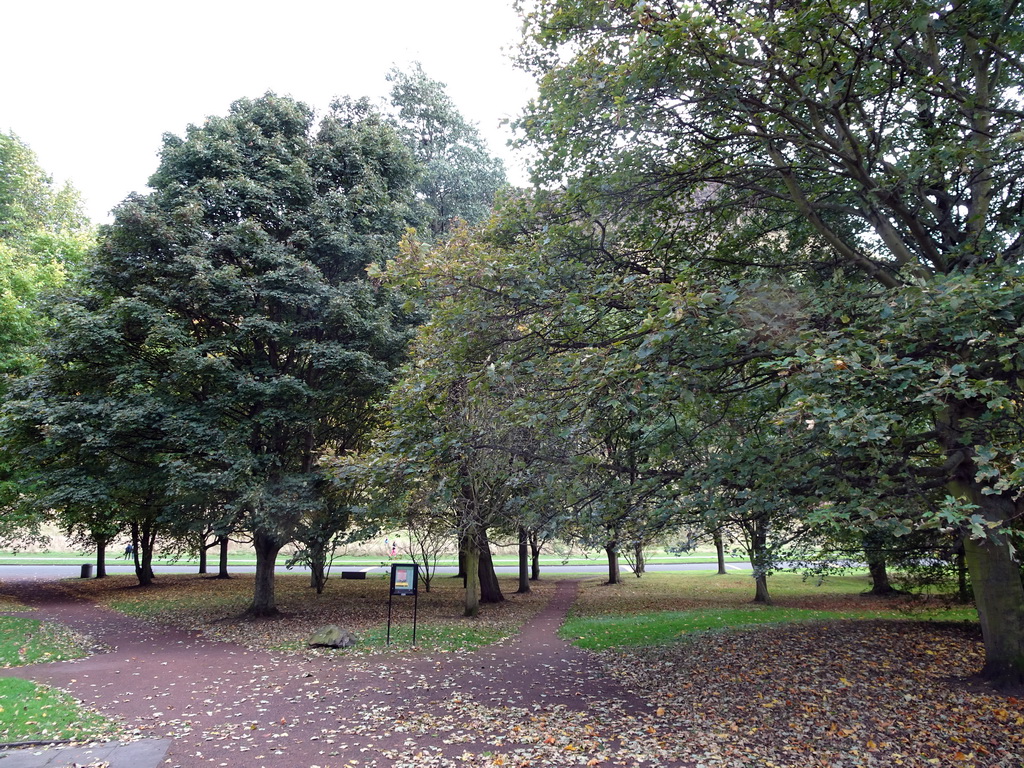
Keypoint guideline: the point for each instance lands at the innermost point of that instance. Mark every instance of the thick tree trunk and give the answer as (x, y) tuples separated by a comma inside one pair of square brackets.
[(998, 591), (612, 551), (761, 594), (203, 547), (143, 538), (263, 600), (490, 589), (144, 567), (995, 574), (101, 556), (534, 556), (472, 560), (880, 578), (524, 562), (720, 551), (222, 571), (875, 558)]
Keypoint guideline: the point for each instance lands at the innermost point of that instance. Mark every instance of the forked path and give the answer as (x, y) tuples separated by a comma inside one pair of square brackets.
[(531, 700)]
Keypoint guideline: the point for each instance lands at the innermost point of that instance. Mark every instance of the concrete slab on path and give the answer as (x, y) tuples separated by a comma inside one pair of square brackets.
[(147, 753)]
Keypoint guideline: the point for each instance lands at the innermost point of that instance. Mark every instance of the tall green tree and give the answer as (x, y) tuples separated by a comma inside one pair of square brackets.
[(866, 156), (458, 177), (44, 234), (453, 414), (236, 307), (44, 237), (30, 203)]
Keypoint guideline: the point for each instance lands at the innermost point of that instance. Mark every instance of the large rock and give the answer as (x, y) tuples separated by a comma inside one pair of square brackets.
[(331, 636)]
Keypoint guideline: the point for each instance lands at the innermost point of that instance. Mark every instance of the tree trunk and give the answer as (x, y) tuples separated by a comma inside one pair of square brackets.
[(758, 531), (490, 589), (880, 578), (720, 551), (463, 549), (472, 559), (875, 558), (534, 556), (612, 551), (318, 569), (639, 563), (143, 538), (203, 546), (101, 556), (963, 589), (524, 562), (761, 589), (263, 601), (222, 572), (998, 591), (995, 574)]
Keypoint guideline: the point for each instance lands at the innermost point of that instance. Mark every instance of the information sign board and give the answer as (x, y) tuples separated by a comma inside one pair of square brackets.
[(404, 579)]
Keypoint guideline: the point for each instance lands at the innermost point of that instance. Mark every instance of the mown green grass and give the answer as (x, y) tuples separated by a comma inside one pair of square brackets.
[(30, 712), (29, 641), (665, 608)]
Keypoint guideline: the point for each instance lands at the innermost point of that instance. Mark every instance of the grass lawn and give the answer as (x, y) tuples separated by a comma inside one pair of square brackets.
[(659, 608), (28, 641), (213, 606), (667, 607), (30, 712)]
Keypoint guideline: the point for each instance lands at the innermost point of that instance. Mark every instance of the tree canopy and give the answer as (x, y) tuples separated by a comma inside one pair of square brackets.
[(227, 322), (458, 178), (818, 206), (44, 238), (44, 234)]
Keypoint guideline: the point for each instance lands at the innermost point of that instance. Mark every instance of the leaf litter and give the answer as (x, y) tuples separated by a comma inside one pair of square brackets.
[(846, 694)]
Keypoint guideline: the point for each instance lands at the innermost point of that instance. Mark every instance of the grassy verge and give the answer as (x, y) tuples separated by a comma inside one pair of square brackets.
[(664, 608), (30, 712), (28, 641)]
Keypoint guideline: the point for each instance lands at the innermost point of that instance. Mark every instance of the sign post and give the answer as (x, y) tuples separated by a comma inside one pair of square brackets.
[(404, 582)]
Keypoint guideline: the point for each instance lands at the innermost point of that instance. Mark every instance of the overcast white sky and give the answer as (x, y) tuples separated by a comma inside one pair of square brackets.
[(92, 86)]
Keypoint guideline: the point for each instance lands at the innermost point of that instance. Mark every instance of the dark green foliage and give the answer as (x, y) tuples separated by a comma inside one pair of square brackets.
[(458, 178), (806, 216), (227, 335), (44, 237)]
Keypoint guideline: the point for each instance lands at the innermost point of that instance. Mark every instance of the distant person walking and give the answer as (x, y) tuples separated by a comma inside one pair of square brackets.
[(129, 551)]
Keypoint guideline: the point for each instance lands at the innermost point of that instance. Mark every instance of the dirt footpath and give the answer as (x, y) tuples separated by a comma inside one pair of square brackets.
[(530, 701)]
